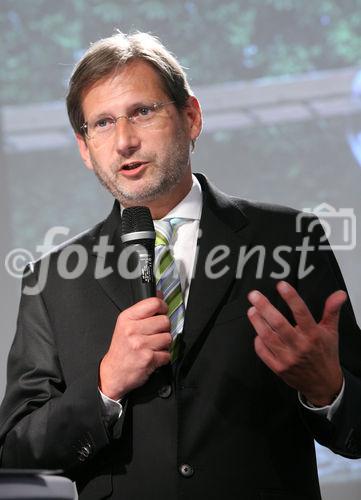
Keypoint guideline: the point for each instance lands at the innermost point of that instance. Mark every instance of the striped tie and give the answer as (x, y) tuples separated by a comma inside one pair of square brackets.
[(167, 278)]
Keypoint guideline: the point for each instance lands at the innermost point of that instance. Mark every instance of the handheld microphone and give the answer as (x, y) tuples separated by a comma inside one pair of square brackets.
[(138, 237)]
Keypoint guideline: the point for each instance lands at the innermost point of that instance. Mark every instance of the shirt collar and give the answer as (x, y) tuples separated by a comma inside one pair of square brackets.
[(191, 205)]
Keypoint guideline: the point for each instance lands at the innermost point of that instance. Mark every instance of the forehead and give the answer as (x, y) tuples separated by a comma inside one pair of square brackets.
[(136, 81)]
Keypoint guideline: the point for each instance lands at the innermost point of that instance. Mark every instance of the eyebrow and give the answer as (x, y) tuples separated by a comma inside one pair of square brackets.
[(137, 104)]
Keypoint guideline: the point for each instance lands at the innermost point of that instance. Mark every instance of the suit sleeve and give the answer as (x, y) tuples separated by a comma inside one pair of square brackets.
[(343, 433), (43, 422)]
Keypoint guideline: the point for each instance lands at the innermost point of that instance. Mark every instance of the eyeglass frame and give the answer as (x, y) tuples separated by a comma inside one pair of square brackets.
[(157, 106)]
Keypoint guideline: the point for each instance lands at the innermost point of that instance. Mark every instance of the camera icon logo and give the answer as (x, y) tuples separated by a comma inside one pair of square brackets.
[(339, 226)]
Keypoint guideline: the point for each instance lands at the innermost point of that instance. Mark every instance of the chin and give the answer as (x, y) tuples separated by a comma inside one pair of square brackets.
[(142, 194), (135, 197)]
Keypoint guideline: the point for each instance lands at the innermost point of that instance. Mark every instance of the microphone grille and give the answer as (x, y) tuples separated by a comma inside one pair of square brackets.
[(136, 219)]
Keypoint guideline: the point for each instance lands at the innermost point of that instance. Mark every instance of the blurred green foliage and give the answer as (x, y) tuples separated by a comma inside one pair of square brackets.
[(230, 40)]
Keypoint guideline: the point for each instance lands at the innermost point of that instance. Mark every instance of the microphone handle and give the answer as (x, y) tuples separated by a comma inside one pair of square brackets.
[(143, 286)]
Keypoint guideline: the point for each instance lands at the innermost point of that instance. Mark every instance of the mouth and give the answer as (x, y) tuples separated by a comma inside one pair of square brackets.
[(132, 165), (133, 169)]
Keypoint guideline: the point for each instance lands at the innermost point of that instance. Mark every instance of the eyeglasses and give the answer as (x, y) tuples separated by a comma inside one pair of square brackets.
[(143, 116)]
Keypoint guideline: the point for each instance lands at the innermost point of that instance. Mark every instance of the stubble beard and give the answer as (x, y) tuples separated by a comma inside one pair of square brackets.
[(167, 173)]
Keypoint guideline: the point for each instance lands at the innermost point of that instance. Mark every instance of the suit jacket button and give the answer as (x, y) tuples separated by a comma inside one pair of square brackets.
[(186, 470), (84, 452), (165, 391)]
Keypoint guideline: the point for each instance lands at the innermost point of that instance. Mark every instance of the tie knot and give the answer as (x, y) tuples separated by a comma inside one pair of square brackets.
[(165, 229)]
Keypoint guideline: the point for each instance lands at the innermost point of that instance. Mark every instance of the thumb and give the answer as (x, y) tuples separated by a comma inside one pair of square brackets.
[(332, 309)]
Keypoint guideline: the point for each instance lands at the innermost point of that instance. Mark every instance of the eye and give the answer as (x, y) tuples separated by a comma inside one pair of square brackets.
[(103, 123), (144, 111)]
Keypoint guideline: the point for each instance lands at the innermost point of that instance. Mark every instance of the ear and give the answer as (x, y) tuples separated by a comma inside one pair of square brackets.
[(193, 115), (84, 151)]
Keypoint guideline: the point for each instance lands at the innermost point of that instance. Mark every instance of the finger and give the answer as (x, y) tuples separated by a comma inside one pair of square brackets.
[(332, 309), (154, 324), (161, 358), (159, 341), (300, 311), (266, 355), (269, 338), (273, 317), (146, 308), (160, 294)]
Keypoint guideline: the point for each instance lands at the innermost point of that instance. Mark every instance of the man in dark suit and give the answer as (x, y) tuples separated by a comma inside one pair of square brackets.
[(92, 388)]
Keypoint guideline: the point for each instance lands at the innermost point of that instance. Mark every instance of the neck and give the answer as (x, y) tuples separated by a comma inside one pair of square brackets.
[(164, 204), (161, 207)]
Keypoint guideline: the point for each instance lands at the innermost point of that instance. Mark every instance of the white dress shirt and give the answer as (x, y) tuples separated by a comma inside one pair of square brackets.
[(184, 241)]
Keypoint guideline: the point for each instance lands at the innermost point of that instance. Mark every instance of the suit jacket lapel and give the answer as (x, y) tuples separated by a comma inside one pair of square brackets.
[(220, 222), (116, 287)]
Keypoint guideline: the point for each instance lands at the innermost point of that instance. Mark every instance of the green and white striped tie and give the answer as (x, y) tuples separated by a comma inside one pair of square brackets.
[(167, 278)]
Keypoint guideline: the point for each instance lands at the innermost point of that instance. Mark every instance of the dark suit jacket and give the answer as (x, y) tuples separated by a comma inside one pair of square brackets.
[(221, 411)]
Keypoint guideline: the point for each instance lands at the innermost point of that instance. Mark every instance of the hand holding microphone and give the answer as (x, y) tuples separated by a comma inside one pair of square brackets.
[(141, 338)]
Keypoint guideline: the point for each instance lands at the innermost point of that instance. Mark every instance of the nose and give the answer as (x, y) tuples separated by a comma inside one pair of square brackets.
[(127, 139)]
